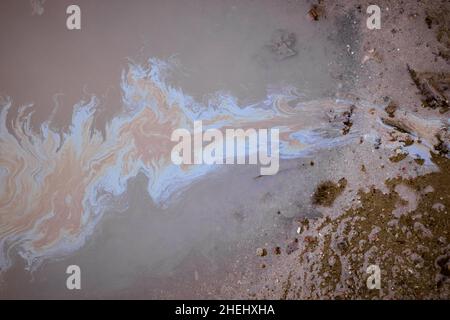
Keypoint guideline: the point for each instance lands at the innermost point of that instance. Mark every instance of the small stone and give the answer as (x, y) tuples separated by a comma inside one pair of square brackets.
[(390, 109), (261, 252), (314, 13)]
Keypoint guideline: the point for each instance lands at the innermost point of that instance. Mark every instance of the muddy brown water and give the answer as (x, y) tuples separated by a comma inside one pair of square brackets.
[(187, 249)]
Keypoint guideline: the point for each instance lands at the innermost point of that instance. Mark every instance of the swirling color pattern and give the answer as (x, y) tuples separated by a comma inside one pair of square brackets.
[(55, 186)]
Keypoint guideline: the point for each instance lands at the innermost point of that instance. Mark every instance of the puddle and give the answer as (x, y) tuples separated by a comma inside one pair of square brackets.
[(165, 241)]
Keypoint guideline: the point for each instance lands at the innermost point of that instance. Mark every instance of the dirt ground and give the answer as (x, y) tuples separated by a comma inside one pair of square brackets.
[(402, 224)]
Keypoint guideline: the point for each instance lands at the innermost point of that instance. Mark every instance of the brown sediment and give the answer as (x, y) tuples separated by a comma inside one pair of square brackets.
[(328, 191), (408, 141), (398, 157), (287, 287), (348, 123), (411, 250), (390, 109), (441, 147), (407, 238)]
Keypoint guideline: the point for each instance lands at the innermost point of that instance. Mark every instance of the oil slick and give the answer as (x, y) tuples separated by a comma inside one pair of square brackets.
[(56, 186), (237, 146)]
